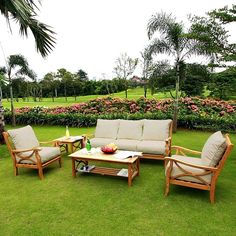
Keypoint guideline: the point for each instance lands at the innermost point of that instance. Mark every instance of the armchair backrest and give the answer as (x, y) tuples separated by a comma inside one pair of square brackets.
[(213, 149), (23, 138)]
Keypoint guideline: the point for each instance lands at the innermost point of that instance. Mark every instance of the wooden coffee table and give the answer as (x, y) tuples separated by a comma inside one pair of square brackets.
[(81, 157)]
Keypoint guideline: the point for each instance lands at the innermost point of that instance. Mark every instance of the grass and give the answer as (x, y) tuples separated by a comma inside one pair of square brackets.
[(132, 94), (102, 205)]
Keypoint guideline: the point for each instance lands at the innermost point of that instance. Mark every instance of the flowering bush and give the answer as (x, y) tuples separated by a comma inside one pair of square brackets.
[(193, 112)]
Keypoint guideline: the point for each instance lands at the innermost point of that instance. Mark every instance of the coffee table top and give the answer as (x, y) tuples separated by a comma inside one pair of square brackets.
[(120, 156), (70, 139)]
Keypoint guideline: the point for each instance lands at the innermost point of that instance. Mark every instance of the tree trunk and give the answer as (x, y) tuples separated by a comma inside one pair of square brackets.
[(0, 92), (12, 107), (176, 105), (145, 90), (2, 124)]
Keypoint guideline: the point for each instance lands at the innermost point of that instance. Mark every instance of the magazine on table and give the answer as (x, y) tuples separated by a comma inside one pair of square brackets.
[(125, 154)]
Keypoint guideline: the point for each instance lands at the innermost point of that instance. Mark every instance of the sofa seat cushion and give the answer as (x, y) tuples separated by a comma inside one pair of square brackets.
[(23, 138), (191, 160), (126, 144), (46, 154), (213, 149), (151, 147), (107, 128), (130, 129), (99, 142), (157, 130)]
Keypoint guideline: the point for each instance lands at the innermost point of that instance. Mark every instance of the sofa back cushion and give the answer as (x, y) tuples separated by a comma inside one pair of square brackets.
[(23, 138), (130, 129), (156, 130), (107, 128), (213, 149)]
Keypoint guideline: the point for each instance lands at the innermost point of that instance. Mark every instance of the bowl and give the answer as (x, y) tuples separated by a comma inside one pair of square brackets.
[(108, 150)]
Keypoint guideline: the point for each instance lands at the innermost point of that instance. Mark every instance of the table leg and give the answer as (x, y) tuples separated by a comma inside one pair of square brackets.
[(138, 165), (129, 174), (73, 167)]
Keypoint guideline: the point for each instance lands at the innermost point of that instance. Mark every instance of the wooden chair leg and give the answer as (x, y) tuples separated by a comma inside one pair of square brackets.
[(59, 160), (40, 171), (15, 171), (167, 187), (212, 194)]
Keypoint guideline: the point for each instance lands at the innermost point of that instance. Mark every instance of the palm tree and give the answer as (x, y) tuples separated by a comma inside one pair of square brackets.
[(23, 12), (173, 41), (17, 66)]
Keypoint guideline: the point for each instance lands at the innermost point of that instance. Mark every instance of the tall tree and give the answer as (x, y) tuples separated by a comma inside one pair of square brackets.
[(23, 12), (125, 67), (173, 41), (17, 65), (148, 68)]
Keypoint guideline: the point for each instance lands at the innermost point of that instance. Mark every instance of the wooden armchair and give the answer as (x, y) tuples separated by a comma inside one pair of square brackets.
[(26, 152), (200, 173)]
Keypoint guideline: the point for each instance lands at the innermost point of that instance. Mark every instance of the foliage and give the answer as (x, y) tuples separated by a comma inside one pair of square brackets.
[(224, 83), (193, 112), (24, 12)]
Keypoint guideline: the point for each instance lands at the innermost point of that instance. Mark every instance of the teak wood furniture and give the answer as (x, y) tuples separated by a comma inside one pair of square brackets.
[(182, 171), (80, 157), (30, 154), (70, 144)]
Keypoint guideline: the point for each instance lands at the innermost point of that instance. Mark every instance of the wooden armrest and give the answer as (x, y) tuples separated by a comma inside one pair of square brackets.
[(27, 150), (182, 150), (192, 165), (45, 142), (168, 139)]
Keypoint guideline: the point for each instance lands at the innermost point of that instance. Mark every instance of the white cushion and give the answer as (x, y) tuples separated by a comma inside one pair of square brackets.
[(153, 147), (107, 128), (99, 142), (130, 129), (46, 154), (213, 149), (23, 138), (191, 160), (126, 144), (157, 130)]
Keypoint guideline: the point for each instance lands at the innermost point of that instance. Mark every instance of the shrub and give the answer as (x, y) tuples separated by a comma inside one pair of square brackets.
[(194, 113)]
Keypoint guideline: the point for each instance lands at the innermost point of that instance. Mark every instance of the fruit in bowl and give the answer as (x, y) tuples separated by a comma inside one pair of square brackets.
[(109, 148)]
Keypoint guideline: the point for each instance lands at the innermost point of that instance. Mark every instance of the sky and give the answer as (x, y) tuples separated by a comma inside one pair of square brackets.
[(92, 34)]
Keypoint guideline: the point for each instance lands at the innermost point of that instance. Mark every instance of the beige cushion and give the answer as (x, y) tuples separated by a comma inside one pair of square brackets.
[(130, 129), (107, 128), (46, 154), (213, 149), (157, 130), (126, 144), (192, 160), (99, 142), (153, 147), (23, 138)]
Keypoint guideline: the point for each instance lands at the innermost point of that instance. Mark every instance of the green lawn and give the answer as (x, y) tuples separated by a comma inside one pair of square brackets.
[(132, 94), (102, 205)]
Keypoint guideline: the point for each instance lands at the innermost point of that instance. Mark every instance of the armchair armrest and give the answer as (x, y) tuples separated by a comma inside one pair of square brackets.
[(45, 142), (26, 150), (183, 151), (207, 168)]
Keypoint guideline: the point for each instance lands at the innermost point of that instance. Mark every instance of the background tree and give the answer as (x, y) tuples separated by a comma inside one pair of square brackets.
[(17, 65), (148, 68), (173, 40), (125, 67)]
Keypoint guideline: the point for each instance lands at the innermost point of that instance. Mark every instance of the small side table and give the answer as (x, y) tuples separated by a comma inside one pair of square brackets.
[(71, 143)]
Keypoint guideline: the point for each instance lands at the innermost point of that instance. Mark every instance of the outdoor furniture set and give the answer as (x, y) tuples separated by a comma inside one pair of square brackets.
[(139, 139)]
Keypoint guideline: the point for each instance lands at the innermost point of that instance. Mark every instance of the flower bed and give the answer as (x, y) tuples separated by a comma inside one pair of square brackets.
[(193, 112)]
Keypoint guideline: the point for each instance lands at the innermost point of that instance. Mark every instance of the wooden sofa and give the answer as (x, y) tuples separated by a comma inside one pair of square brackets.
[(152, 137)]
